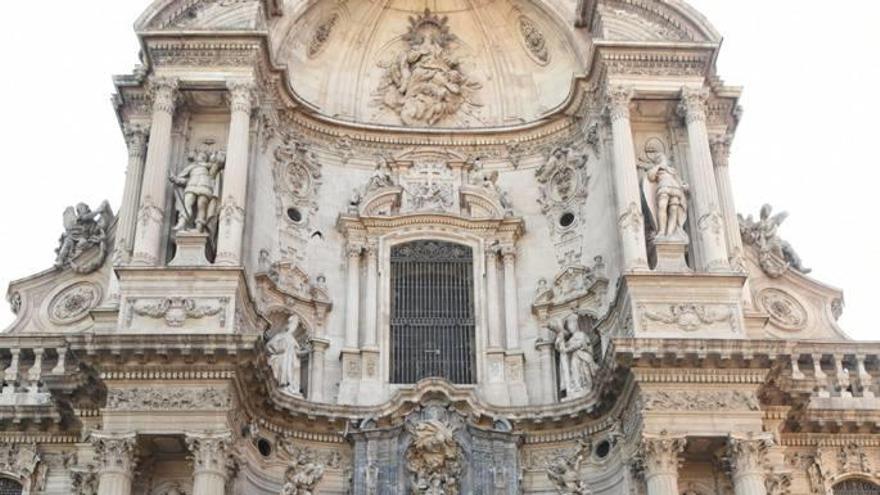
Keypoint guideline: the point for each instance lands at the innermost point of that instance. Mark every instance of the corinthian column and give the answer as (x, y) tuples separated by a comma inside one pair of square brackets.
[(704, 191), (747, 457), (136, 139), (235, 176), (511, 310), (151, 214), (631, 222), (210, 462), (116, 462), (720, 146), (660, 455)]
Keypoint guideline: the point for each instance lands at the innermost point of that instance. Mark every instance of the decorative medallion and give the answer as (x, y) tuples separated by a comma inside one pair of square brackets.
[(74, 303), (424, 83), (534, 40), (322, 34), (785, 311)]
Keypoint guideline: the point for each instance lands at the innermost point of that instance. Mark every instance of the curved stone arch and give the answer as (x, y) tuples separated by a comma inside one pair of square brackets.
[(673, 18)]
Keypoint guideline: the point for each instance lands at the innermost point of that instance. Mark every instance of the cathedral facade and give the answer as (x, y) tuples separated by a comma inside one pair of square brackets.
[(452, 247)]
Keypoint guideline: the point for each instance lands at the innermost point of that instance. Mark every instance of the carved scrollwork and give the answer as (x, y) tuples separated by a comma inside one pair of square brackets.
[(689, 317), (177, 310)]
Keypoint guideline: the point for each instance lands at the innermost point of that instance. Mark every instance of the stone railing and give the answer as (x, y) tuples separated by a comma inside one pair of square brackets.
[(29, 367), (837, 375)]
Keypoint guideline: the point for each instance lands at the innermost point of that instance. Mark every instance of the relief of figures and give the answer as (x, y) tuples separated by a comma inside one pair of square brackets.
[(575, 348), (200, 182), (664, 191), (774, 253), (565, 471), (425, 83), (285, 357), (84, 229), (434, 459)]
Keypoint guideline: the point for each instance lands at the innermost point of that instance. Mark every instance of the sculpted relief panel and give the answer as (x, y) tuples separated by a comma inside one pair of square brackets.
[(425, 82)]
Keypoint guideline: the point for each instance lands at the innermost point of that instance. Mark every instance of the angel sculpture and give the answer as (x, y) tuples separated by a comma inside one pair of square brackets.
[(302, 478), (382, 176), (564, 471), (285, 353), (664, 192), (200, 181), (764, 235), (83, 229)]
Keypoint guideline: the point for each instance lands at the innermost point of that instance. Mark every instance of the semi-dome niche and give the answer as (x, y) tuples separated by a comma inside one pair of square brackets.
[(458, 63)]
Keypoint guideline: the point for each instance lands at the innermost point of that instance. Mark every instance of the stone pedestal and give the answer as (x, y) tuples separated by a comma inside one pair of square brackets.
[(514, 363), (671, 254), (351, 376), (495, 387), (191, 249)]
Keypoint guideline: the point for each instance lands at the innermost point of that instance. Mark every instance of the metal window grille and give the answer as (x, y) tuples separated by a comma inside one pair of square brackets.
[(856, 487), (432, 312), (10, 487)]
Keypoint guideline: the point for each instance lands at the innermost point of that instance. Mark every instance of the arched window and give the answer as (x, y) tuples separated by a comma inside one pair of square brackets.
[(856, 487), (432, 312), (10, 487)]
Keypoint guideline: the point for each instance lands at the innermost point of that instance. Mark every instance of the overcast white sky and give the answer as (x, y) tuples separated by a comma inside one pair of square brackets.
[(807, 144)]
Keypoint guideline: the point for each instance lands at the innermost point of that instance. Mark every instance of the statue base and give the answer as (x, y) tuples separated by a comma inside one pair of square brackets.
[(191, 249), (671, 255)]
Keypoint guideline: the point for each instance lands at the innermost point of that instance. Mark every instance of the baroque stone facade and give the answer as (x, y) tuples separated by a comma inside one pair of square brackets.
[(483, 248)]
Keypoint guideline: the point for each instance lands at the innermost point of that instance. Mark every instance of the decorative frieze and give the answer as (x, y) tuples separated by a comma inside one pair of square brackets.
[(700, 400), (688, 317), (166, 399)]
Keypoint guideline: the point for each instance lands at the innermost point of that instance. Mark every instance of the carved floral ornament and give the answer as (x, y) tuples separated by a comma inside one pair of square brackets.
[(177, 310), (534, 40), (74, 303), (785, 311)]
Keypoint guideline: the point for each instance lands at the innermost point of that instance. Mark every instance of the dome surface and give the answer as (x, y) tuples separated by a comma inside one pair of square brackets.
[(456, 63)]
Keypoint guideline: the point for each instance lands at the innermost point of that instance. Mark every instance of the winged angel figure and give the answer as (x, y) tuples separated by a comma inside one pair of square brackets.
[(84, 229), (764, 235)]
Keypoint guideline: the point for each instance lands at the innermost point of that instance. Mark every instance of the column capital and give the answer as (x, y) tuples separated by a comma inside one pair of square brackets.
[(508, 253), (164, 93), (136, 134), (660, 454), (693, 104), (114, 453), (242, 95), (748, 455), (618, 98), (354, 250), (210, 452), (371, 248), (720, 147)]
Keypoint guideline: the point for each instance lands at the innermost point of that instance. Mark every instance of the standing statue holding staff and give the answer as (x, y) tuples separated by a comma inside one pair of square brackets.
[(665, 192), (200, 181)]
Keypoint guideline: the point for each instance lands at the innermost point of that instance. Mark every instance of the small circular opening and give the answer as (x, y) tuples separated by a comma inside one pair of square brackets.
[(294, 214), (566, 219), (603, 449), (265, 447)]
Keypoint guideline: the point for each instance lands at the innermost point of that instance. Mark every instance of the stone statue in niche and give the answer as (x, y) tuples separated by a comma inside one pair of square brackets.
[(424, 83), (664, 191), (200, 181), (84, 229), (434, 458), (775, 255), (564, 471), (285, 357), (575, 347)]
